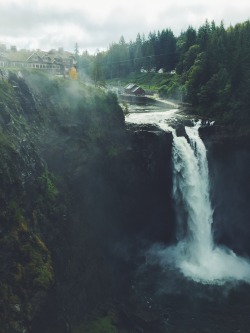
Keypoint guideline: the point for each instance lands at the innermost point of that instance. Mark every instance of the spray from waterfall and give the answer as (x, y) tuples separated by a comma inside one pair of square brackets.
[(195, 254)]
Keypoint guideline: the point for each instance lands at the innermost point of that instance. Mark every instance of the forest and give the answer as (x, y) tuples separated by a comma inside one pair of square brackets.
[(208, 67)]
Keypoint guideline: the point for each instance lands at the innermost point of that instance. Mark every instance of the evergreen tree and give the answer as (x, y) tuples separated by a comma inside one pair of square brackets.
[(97, 72), (212, 65), (138, 60)]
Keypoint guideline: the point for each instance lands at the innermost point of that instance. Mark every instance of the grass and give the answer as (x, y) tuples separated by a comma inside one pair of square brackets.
[(148, 81)]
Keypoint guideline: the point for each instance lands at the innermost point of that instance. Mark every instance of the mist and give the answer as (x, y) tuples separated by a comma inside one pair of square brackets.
[(196, 255)]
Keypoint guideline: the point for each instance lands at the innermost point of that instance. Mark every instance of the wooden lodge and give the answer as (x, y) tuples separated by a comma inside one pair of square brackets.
[(53, 61), (133, 89)]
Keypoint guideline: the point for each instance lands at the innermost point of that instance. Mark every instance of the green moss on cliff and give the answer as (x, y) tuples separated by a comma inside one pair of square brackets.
[(51, 247), (26, 270), (101, 325), (48, 185)]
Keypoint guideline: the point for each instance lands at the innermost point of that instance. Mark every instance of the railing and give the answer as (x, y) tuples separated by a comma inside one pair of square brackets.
[(46, 67)]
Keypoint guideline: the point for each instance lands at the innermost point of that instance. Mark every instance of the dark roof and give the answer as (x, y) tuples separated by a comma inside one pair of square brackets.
[(21, 55), (26, 55), (137, 88), (130, 86)]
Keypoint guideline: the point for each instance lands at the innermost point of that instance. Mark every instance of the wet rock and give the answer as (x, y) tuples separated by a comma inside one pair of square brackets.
[(180, 131)]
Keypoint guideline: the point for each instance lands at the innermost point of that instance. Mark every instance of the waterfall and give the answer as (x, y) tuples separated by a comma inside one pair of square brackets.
[(191, 193), (196, 255)]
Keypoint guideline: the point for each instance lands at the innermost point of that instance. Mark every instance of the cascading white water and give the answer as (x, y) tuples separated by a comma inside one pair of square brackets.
[(195, 254), (191, 193)]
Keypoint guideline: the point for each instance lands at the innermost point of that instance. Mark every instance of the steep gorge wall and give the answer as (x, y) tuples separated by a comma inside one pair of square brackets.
[(58, 143), (77, 191), (229, 164)]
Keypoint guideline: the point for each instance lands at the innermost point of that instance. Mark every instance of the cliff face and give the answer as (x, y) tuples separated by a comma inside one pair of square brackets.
[(57, 141), (229, 160), (76, 192), (28, 202)]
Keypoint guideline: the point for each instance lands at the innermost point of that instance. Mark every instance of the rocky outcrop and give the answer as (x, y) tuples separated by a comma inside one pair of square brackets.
[(77, 191), (28, 202), (59, 142), (151, 156), (228, 152)]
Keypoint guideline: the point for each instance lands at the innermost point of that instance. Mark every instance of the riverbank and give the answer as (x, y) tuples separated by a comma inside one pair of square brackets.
[(144, 100)]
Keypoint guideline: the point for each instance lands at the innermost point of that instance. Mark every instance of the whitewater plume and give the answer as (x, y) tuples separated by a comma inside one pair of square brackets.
[(195, 254)]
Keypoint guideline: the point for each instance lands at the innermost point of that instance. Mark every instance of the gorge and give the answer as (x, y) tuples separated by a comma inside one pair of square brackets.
[(89, 222)]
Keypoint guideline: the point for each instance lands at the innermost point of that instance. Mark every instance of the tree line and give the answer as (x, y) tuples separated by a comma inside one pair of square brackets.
[(212, 66), (144, 54)]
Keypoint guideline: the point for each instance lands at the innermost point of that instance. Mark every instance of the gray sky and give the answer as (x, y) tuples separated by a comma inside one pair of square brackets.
[(94, 24)]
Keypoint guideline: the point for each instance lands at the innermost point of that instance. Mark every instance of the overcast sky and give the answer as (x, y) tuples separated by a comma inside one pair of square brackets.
[(94, 24)]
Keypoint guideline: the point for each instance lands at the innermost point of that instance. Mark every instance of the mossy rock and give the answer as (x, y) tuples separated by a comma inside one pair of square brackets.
[(103, 324)]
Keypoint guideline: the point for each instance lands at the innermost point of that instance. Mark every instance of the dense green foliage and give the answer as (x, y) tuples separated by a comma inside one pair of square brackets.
[(215, 70), (151, 83), (212, 67), (151, 54)]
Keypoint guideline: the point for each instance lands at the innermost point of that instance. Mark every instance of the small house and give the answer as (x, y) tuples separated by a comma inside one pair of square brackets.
[(134, 89), (138, 91), (128, 89)]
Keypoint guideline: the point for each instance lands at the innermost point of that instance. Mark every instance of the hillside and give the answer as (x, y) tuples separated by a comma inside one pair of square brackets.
[(57, 139), (76, 194)]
